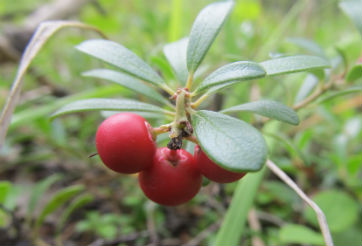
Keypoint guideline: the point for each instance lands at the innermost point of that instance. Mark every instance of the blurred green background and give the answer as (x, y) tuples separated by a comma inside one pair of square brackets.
[(50, 191)]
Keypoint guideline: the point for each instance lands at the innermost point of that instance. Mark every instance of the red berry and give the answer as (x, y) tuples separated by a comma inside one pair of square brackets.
[(125, 144), (213, 171), (173, 178)]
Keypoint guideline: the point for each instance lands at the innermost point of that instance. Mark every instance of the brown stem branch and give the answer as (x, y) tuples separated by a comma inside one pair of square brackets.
[(320, 215), (255, 226), (317, 93)]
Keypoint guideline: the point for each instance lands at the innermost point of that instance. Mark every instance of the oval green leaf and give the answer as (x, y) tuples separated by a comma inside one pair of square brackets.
[(107, 104), (204, 31), (230, 74), (332, 202), (299, 234), (231, 143), (121, 57), (5, 187), (176, 55), (293, 64), (355, 73), (126, 81), (268, 108)]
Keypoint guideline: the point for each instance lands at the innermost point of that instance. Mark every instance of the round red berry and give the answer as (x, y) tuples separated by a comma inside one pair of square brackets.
[(173, 178), (213, 171), (125, 144)]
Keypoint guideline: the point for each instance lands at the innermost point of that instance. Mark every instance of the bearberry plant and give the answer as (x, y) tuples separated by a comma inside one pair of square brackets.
[(174, 144), (227, 148)]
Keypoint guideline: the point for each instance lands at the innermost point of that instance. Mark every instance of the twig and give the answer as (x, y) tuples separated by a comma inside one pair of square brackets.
[(151, 224), (204, 234), (320, 215), (197, 103), (255, 226), (189, 80), (270, 218), (314, 96)]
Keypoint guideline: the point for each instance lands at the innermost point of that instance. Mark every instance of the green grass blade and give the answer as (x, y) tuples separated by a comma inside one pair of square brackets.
[(38, 192), (234, 221), (4, 189), (59, 199), (174, 29), (77, 203)]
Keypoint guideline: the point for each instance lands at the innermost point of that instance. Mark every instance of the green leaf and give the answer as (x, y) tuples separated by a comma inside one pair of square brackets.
[(232, 228), (41, 35), (299, 234), (229, 142), (280, 192), (83, 226), (341, 210), (350, 236), (4, 189), (126, 81), (349, 50), (107, 104), (176, 55), (163, 67), (121, 57), (352, 8), (293, 64), (14, 192), (175, 23), (4, 219), (60, 198), (76, 204), (204, 31), (308, 45), (268, 108), (289, 146), (31, 114), (39, 190), (355, 73), (107, 231), (230, 74)]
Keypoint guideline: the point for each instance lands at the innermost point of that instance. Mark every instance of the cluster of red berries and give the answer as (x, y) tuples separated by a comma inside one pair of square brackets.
[(168, 177)]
